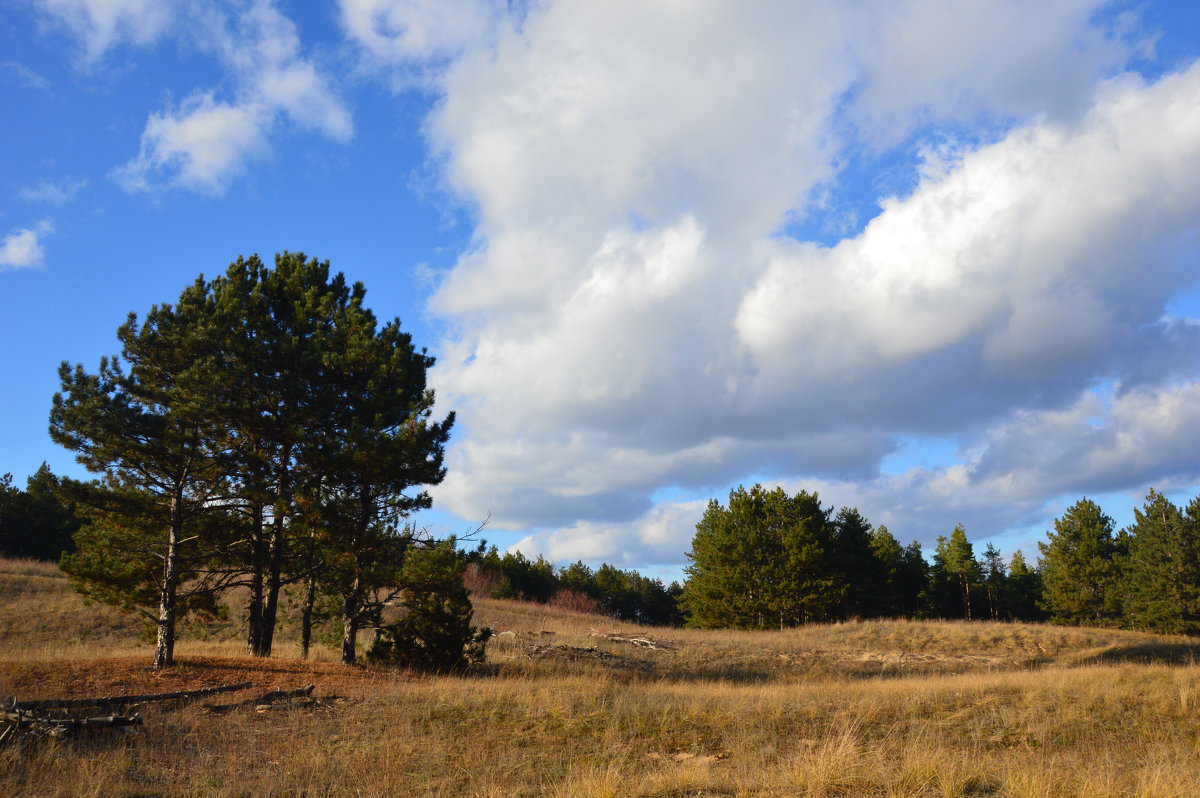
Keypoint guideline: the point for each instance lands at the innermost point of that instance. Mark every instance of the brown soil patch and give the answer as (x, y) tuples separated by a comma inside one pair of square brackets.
[(116, 676)]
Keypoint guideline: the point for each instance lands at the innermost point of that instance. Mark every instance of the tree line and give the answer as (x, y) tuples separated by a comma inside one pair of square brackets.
[(263, 431), (772, 560), (36, 523), (608, 590), (1146, 576), (768, 559)]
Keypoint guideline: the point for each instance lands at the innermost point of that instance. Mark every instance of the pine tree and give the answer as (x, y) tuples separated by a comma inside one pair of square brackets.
[(38, 522), (119, 558), (275, 331), (325, 414), (380, 448), (435, 631), (904, 576), (1080, 567), (617, 592), (912, 580), (11, 517), (761, 562), (995, 581), (854, 563), (888, 552), (1023, 590), (580, 578), (953, 576), (809, 589), (145, 429), (1163, 577), (271, 400), (725, 584)]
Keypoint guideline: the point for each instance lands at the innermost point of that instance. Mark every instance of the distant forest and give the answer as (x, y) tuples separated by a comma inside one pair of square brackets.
[(769, 560)]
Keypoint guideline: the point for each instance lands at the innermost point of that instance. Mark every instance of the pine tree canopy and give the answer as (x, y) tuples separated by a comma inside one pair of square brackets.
[(1080, 567), (263, 429)]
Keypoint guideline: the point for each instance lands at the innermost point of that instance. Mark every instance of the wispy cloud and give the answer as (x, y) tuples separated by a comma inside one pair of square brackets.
[(205, 141), (53, 192), (418, 31), (22, 248), (100, 25), (26, 76)]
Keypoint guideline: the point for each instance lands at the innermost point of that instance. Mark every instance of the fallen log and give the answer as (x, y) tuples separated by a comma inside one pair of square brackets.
[(640, 642), (60, 727), (79, 703), (265, 700), (282, 695)]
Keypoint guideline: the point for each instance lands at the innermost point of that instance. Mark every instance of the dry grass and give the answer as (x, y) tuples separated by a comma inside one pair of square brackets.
[(875, 709), (41, 618), (856, 650)]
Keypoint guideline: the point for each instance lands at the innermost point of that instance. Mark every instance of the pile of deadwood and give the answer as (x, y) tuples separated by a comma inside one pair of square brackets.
[(65, 718), (634, 640)]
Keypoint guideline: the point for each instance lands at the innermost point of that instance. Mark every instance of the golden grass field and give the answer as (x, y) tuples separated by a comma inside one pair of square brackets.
[(877, 708)]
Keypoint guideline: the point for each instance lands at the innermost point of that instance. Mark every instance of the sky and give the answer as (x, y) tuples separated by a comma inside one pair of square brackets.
[(934, 259)]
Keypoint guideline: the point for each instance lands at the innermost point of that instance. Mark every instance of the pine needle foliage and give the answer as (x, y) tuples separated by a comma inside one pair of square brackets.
[(1081, 567)]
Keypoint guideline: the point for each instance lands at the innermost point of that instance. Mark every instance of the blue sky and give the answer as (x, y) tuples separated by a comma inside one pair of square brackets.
[(937, 260)]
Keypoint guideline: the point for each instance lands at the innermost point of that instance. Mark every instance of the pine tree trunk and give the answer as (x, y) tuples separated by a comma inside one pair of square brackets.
[(164, 650), (274, 582), (349, 639), (255, 608), (254, 642), (350, 625), (276, 554), (310, 597), (966, 585)]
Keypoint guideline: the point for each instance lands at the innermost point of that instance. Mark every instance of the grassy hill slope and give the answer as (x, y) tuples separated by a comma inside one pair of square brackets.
[(566, 707)]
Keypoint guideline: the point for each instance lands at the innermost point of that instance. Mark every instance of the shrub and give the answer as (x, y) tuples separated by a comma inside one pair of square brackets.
[(435, 633), (575, 601)]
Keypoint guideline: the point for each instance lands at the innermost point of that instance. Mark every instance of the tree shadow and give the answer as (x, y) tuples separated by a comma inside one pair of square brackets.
[(1146, 654)]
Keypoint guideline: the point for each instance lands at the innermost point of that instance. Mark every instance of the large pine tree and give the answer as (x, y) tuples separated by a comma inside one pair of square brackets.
[(1162, 579), (852, 560), (275, 331), (1023, 590), (378, 447), (954, 577), (1081, 567), (761, 562), (141, 421)]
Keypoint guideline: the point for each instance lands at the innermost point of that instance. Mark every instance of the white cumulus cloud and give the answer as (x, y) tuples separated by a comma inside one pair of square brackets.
[(637, 314), (952, 60), (1042, 251), (204, 143), (22, 247)]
